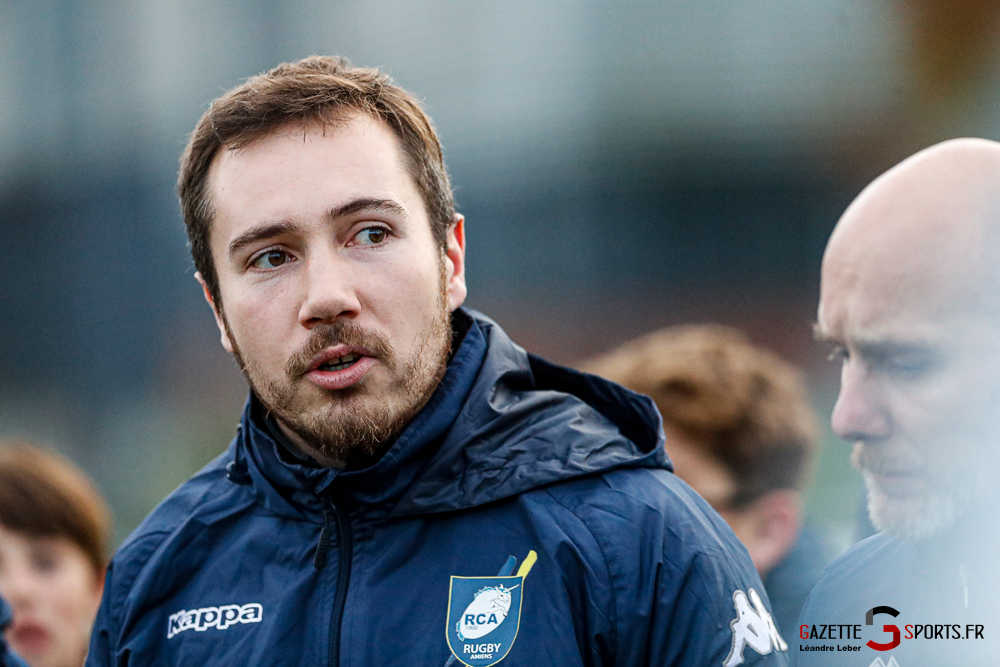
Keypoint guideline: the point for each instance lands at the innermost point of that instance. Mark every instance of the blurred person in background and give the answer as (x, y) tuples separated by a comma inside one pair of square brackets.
[(910, 302), (740, 430), (54, 532), (402, 466)]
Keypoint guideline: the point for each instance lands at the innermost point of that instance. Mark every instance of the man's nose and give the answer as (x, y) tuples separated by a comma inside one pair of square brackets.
[(330, 289), (860, 412)]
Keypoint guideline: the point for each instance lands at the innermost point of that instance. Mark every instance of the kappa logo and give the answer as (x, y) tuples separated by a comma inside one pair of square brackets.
[(484, 614), (753, 627), (877, 662), (219, 618)]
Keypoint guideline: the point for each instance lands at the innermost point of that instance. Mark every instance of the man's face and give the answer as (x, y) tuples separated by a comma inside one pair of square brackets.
[(920, 382), (335, 296)]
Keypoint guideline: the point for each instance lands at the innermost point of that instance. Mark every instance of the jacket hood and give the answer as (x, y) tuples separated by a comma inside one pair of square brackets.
[(501, 422)]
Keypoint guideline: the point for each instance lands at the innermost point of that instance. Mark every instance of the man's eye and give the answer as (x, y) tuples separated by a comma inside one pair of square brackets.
[(372, 236), (907, 367), (838, 354), (271, 259), (44, 561)]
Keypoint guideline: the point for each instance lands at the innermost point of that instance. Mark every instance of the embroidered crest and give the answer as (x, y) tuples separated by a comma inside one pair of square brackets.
[(484, 614)]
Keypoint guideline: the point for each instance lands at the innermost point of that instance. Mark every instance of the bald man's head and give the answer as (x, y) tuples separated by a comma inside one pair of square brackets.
[(929, 225), (909, 298)]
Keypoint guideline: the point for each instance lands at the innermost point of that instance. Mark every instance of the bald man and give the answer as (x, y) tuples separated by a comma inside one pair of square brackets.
[(909, 302)]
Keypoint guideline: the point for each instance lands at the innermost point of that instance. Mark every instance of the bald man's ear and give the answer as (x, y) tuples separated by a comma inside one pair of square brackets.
[(770, 526), (219, 322)]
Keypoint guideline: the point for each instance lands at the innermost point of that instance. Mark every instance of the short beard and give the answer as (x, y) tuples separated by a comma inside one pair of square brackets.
[(351, 429), (912, 519), (921, 517)]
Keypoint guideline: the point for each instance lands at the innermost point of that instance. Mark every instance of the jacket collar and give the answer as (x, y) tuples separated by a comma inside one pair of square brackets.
[(528, 423), (290, 486)]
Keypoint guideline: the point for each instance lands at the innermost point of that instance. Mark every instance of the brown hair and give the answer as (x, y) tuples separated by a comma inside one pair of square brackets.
[(44, 494), (740, 404), (319, 90)]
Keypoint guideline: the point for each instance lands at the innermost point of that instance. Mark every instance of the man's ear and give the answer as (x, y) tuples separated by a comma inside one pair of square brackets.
[(455, 263), (773, 525), (226, 343)]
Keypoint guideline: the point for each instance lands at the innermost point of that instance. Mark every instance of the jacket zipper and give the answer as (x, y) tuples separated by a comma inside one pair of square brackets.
[(333, 511)]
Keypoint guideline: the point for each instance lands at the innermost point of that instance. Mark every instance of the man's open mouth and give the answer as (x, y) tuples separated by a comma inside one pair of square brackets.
[(340, 363), (339, 372)]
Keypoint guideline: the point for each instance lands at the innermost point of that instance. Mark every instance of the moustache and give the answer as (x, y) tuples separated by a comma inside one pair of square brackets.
[(874, 460), (343, 332)]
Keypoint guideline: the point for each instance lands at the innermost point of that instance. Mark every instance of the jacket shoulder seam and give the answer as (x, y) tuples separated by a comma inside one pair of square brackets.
[(126, 567), (695, 563)]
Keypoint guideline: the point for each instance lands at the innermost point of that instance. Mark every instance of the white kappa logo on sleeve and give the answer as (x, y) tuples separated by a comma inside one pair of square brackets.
[(879, 663), (753, 627)]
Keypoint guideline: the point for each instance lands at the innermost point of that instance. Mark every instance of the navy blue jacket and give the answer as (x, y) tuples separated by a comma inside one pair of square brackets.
[(791, 580), (262, 560), (7, 659)]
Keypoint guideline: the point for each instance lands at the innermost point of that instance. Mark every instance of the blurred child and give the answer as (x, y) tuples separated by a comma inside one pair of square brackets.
[(54, 529)]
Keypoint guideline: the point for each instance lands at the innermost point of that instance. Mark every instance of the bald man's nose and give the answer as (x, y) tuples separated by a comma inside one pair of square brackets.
[(860, 412)]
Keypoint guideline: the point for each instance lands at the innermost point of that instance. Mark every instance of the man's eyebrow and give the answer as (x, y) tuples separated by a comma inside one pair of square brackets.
[(266, 231), (256, 234), (877, 347), (364, 204), (874, 346)]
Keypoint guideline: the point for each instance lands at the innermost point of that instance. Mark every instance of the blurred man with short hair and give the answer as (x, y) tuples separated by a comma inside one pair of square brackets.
[(910, 302), (741, 432), (407, 485)]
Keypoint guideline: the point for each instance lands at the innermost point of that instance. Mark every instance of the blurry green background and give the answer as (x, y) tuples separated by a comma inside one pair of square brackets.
[(622, 166)]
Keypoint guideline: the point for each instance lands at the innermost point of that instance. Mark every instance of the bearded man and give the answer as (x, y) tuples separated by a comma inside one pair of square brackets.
[(910, 300), (402, 467)]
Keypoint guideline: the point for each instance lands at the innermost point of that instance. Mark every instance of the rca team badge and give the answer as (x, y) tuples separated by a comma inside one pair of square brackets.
[(484, 614)]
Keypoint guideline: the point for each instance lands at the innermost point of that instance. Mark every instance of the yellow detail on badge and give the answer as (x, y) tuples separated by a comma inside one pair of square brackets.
[(526, 566)]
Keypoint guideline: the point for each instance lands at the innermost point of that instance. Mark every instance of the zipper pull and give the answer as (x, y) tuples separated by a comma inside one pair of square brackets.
[(319, 560)]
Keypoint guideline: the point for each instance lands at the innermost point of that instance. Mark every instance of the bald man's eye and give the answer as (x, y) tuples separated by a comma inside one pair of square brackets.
[(907, 367)]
